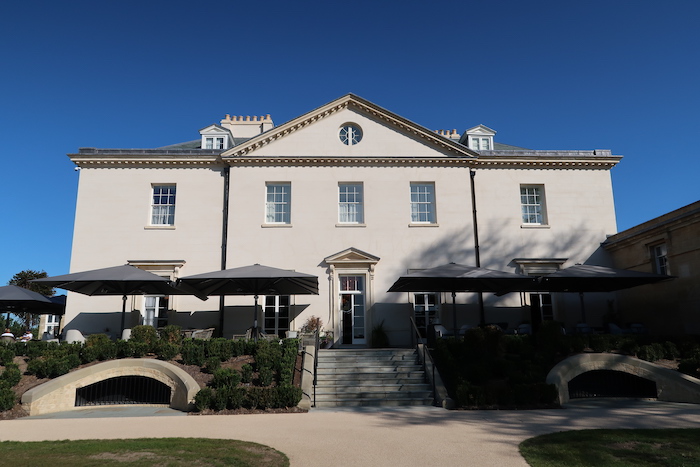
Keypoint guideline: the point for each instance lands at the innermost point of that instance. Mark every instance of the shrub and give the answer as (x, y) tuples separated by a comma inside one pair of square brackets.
[(138, 349), (166, 350), (267, 354), (6, 355), (220, 348), (380, 339), (246, 373), (671, 351), (99, 347), (629, 346), (89, 354), (171, 334), (124, 349), (226, 377), (266, 376), (11, 375), (260, 398), (690, 366), (239, 347), (312, 324), (211, 364), (221, 398), (651, 352), (203, 399), (7, 397), (192, 353), (146, 334), (288, 395)]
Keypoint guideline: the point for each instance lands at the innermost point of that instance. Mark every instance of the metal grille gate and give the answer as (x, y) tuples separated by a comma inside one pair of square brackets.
[(610, 383), (123, 390)]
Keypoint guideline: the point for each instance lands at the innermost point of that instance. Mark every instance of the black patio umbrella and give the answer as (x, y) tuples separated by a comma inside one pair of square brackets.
[(252, 280), (18, 299), (118, 280), (455, 278), (583, 278)]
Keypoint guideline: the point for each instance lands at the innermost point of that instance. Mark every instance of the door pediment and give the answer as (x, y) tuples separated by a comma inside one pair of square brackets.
[(352, 257)]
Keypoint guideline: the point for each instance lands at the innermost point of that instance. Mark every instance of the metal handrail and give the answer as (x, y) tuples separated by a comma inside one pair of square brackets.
[(415, 340), (317, 342)]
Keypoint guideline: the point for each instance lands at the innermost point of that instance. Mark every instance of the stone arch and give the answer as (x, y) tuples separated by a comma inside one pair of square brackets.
[(671, 385), (58, 395)]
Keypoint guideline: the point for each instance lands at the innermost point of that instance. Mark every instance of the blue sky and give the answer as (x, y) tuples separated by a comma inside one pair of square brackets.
[(612, 74)]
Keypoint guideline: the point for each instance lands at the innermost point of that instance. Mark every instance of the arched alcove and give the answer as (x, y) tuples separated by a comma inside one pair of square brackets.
[(671, 386), (174, 386)]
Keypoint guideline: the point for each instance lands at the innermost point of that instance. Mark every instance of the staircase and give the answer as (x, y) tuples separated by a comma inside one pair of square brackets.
[(371, 377)]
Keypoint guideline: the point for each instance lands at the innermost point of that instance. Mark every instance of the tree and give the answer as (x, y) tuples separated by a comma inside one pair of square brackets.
[(23, 279)]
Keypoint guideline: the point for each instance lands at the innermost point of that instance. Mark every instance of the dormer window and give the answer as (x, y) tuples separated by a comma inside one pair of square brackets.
[(215, 137), (479, 138), (480, 144), (214, 142)]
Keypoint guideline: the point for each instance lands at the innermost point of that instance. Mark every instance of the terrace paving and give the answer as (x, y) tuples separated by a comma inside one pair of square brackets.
[(365, 436)]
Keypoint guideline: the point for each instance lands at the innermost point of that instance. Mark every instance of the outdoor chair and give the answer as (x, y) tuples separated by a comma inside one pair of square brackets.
[(203, 333)]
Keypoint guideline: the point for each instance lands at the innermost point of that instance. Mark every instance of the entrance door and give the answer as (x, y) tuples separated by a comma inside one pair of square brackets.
[(352, 308)]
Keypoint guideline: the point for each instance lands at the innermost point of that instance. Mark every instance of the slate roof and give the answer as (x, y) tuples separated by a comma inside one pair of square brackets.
[(197, 144)]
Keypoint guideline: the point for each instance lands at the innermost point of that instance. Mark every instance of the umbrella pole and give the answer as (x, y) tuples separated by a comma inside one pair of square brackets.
[(123, 314), (583, 307), (255, 319), (454, 313)]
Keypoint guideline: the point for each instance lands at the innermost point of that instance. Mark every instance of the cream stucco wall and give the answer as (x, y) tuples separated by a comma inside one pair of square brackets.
[(113, 211)]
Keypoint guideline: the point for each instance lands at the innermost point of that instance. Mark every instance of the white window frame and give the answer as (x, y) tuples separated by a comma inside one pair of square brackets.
[(425, 312), (155, 310), (659, 258), (533, 208), (480, 143), (278, 310), (214, 142), (163, 204), (423, 203), (351, 203), (278, 203), (350, 134)]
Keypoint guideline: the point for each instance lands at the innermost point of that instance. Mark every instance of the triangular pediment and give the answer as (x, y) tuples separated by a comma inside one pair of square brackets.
[(481, 130), (315, 135), (352, 256), (214, 130)]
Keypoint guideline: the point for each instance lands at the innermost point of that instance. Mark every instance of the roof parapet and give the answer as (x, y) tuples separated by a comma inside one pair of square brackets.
[(246, 126), (450, 134)]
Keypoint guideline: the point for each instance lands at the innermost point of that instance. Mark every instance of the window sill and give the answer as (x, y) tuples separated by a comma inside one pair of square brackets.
[(534, 226), (350, 225), (276, 226), (424, 225), (159, 227)]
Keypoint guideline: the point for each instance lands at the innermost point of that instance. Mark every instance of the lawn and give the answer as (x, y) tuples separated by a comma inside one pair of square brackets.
[(141, 452), (612, 448)]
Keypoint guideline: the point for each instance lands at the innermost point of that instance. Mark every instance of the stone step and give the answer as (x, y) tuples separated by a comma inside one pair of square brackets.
[(379, 389), (369, 370), (373, 395), (374, 402), (370, 377), (371, 353), (365, 363), (369, 381)]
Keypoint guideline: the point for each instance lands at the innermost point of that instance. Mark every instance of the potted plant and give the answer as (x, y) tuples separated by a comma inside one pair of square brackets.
[(326, 340)]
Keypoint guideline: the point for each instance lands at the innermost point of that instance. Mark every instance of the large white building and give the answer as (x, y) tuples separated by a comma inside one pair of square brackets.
[(349, 192)]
